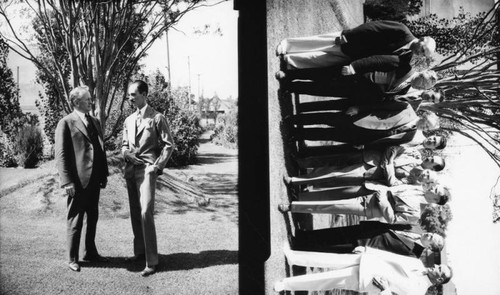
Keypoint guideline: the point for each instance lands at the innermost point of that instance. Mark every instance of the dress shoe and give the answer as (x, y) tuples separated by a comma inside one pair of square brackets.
[(287, 179), (280, 75), (74, 266), (279, 286), (283, 208), (281, 48), (136, 258), (96, 258), (148, 271)]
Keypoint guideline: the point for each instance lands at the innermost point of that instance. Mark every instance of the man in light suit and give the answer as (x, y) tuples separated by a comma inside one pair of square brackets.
[(147, 146), (396, 165), (374, 271), (400, 204), (82, 166)]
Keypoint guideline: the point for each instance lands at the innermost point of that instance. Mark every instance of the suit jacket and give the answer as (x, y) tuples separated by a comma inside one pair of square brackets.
[(388, 237), (74, 151), (393, 115), (151, 142), (375, 38), (402, 204), (402, 272)]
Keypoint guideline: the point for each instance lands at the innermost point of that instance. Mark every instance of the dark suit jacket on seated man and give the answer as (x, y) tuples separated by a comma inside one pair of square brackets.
[(395, 238), (83, 169), (390, 123), (372, 270), (358, 43)]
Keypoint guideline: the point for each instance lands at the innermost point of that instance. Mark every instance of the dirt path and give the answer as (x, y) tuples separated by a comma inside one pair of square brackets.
[(197, 245)]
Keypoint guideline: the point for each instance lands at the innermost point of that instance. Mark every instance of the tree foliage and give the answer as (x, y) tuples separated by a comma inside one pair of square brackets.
[(452, 35), (396, 10), (103, 40), (183, 122), (226, 129), (435, 219), (469, 78), (9, 104)]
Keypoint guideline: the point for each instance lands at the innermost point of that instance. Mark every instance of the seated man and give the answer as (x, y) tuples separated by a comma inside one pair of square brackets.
[(374, 271), (353, 156), (369, 88), (390, 123), (387, 39), (388, 237), (396, 165), (401, 204)]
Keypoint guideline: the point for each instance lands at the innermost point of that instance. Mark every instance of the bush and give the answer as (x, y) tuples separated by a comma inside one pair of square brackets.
[(7, 152), (29, 143), (186, 131), (226, 131), (396, 10), (184, 123), (435, 218)]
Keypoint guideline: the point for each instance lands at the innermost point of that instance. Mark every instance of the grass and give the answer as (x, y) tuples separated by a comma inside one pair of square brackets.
[(197, 245)]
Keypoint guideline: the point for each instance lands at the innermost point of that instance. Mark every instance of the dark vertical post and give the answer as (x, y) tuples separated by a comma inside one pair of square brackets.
[(253, 184)]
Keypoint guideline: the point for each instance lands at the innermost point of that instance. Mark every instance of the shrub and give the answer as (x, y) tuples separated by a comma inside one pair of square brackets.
[(184, 123), (186, 131), (396, 10), (29, 143), (7, 152), (226, 130), (435, 219)]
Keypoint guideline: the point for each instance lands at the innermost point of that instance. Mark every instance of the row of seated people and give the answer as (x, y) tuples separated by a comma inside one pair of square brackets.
[(378, 170)]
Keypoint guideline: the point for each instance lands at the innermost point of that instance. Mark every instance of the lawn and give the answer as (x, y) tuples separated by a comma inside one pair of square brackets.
[(197, 244)]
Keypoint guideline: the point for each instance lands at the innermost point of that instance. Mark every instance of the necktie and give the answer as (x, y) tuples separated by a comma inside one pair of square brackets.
[(138, 121), (87, 120)]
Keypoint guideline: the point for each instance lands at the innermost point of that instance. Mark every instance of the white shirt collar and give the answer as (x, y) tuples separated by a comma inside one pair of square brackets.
[(82, 116), (142, 110)]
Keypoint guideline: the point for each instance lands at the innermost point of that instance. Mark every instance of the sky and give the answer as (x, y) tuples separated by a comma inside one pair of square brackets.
[(473, 240), (212, 57)]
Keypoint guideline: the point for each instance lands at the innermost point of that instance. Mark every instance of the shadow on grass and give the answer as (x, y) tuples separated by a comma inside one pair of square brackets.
[(215, 158), (173, 262)]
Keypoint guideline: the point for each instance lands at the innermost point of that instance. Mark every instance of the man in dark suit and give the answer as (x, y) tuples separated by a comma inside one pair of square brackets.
[(392, 122), (82, 166), (147, 146), (385, 39), (396, 238)]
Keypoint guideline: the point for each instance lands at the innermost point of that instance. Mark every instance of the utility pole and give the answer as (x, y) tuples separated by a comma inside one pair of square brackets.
[(168, 61), (189, 82), (18, 87), (199, 86)]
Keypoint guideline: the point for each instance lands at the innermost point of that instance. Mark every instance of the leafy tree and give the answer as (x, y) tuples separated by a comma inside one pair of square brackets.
[(469, 78), (452, 35), (104, 41), (9, 105), (396, 10)]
